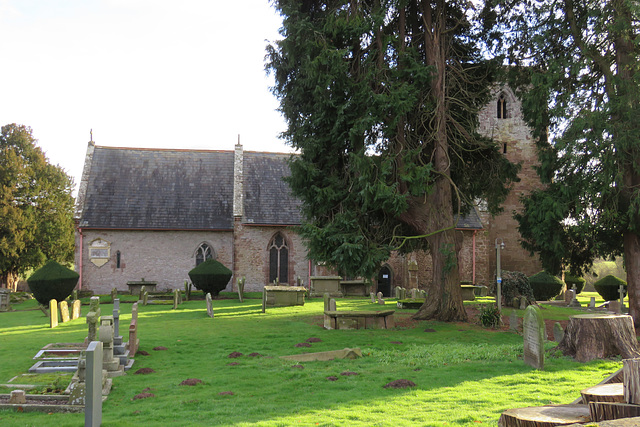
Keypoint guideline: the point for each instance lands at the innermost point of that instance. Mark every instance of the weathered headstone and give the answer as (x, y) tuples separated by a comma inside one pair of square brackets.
[(332, 304), (414, 293), (574, 299), (53, 313), (380, 300), (264, 300), (93, 317), (558, 332), (423, 294), (134, 342), (187, 290), (523, 303), (397, 291), (568, 296), (116, 317), (241, 282), (111, 364), (5, 299), (114, 294), (74, 295), (64, 311), (373, 297), (403, 293), (209, 305), (176, 298), (513, 321), (75, 309), (326, 299), (592, 302), (145, 297), (93, 393), (533, 331), (17, 397), (143, 290)]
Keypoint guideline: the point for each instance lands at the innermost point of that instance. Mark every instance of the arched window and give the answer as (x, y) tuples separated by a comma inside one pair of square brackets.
[(278, 259), (203, 253), (502, 107), (118, 259)]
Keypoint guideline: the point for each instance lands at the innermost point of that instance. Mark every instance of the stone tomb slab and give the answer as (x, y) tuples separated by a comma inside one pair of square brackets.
[(345, 353)]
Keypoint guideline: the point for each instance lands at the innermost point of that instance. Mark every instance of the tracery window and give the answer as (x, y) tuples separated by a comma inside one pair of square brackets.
[(203, 253), (502, 107), (278, 259)]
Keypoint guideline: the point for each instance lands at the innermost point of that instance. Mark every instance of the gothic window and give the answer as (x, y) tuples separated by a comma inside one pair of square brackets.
[(278, 259), (118, 257), (502, 107), (203, 253)]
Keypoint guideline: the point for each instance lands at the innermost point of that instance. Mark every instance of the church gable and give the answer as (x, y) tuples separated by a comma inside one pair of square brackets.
[(159, 189)]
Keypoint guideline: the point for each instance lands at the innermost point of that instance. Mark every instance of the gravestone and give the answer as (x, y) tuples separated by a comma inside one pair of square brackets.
[(513, 321), (397, 291), (74, 295), (53, 313), (5, 300), (145, 297), (326, 299), (111, 364), (187, 290), (574, 299), (209, 305), (523, 303), (592, 302), (403, 293), (114, 294), (64, 311), (423, 294), (264, 300), (332, 304), (241, 282), (414, 293), (176, 299), (533, 331), (75, 309), (93, 393), (93, 317), (380, 300), (558, 332), (568, 296), (18, 397), (119, 347), (373, 297), (143, 290), (134, 342)]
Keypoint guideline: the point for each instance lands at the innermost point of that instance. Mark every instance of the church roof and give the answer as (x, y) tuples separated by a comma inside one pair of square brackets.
[(469, 221), (268, 199), (131, 188)]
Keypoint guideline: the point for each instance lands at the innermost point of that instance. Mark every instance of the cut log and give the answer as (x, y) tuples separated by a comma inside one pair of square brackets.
[(604, 411), (599, 336), (616, 377), (631, 379), (545, 416), (603, 393), (625, 422)]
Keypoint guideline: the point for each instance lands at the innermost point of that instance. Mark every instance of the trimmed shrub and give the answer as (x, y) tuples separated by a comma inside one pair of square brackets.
[(515, 285), (545, 286), (608, 287), (52, 281), (571, 280), (210, 277)]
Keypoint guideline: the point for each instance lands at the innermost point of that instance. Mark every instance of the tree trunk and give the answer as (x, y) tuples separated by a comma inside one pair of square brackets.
[(605, 411), (598, 336), (631, 380), (632, 265), (545, 416), (603, 393)]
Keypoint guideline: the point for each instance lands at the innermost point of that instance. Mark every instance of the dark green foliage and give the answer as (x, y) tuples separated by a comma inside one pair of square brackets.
[(36, 206), (52, 281), (571, 280), (609, 287), (545, 286), (210, 277), (515, 285), (489, 316)]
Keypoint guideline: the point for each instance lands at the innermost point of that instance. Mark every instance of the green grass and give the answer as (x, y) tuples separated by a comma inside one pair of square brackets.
[(464, 375)]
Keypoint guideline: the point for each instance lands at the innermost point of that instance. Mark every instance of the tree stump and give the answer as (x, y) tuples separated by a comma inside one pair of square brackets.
[(598, 336), (545, 416), (603, 393), (607, 411), (631, 380)]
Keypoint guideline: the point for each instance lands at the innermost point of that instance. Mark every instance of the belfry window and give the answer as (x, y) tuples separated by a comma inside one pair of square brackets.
[(278, 259), (203, 253), (501, 107)]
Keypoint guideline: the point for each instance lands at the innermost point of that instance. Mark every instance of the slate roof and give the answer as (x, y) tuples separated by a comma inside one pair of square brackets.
[(132, 188), (267, 198), (470, 221)]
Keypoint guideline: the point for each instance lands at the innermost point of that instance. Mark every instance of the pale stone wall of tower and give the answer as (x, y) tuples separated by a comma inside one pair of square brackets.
[(515, 137)]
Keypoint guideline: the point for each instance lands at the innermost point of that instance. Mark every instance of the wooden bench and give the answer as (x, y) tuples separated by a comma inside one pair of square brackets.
[(359, 319)]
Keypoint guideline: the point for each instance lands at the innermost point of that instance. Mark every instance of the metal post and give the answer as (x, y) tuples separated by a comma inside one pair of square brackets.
[(499, 245)]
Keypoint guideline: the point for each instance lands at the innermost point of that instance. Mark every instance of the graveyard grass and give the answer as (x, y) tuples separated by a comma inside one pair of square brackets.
[(464, 374)]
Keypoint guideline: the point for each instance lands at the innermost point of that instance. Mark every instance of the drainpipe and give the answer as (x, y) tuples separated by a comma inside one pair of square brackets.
[(80, 266), (473, 257)]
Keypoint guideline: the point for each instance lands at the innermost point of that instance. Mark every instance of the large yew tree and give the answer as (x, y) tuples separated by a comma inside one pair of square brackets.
[(381, 99), (36, 206), (581, 59)]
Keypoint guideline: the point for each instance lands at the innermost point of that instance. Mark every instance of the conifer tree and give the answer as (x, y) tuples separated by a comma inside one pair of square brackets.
[(381, 99)]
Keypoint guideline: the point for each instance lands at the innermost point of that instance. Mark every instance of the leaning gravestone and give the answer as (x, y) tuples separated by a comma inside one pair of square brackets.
[(533, 331), (209, 305), (53, 310), (64, 311), (373, 297), (75, 309)]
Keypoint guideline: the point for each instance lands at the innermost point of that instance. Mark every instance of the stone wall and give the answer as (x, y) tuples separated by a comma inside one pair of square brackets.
[(165, 257)]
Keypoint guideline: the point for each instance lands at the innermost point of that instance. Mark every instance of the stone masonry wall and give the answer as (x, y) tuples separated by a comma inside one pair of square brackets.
[(162, 256)]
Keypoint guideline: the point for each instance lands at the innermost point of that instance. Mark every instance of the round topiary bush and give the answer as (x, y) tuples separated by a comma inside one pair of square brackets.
[(210, 277), (608, 287), (515, 285), (571, 280), (545, 286), (52, 281)]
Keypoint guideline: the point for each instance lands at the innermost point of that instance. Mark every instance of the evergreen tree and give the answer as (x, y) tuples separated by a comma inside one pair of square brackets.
[(36, 206), (580, 58), (381, 99)]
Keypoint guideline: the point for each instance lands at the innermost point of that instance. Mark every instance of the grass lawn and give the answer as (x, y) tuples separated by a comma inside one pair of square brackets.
[(465, 375)]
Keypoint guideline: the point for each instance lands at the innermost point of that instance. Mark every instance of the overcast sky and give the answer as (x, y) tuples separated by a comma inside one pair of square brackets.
[(140, 73)]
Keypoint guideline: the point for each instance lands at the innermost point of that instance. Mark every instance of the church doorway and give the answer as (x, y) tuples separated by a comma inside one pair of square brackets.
[(384, 281)]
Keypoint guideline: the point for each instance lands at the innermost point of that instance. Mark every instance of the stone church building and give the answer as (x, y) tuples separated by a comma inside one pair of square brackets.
[(154, 214)]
